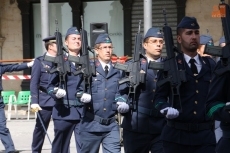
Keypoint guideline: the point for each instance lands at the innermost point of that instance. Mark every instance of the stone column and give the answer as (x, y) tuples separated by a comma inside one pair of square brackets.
[(24, 6), (2, 39), (76, 12), (147, 15), (44, 21), (127, 8)]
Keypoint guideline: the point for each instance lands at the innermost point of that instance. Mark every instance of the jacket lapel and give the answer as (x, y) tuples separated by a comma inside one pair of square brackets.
[(112, 71), (99, 68), (183, 65), (204, 68)]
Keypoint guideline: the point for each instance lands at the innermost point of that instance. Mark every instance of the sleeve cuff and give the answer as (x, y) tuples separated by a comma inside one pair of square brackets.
[(161, 105), (214, 108), (121, 99)]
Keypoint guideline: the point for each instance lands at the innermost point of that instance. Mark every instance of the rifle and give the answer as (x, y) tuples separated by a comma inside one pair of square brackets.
[(84, 61), (135, 76), (16, 60), (169, 67), (223, 52), (59, 60)]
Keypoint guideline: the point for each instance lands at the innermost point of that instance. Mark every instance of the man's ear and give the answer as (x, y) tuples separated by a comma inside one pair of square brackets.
[(66, 43), (144, 45), (96, 51), (179, 38)]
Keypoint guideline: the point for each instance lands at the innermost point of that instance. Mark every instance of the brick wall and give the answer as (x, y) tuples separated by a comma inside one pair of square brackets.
[(202, 9), (11, 29)]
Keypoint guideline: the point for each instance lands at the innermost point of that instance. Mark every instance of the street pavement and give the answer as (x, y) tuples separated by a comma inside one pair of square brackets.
[(21, 131)]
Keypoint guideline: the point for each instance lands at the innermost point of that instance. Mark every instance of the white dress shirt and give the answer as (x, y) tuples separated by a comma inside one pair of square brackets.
[(103, 64), (197, 61)]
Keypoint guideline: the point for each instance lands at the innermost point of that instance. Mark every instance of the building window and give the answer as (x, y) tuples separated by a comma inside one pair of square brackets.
[(110, 12)]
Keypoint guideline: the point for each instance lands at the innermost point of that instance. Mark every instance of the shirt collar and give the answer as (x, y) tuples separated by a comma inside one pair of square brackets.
[(103, 64), (196, 58), (150, 59), (48, 54)]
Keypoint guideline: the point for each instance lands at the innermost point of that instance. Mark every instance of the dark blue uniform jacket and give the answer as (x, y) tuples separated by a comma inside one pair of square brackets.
[(9, 68), (193, 95), (218, 96), (39, 82), (139, 121), (105, 94), (73, 85)]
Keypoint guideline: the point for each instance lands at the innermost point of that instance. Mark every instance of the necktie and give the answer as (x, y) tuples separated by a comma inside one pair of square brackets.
[(106, 69), (193, 66)]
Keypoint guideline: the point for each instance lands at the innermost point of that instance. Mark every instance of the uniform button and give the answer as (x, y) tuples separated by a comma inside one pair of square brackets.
[(104, 109), (155, 80), (153, 90), (210, 80), (152, 101), (196, 81), (197, 91), (105, 88), (196, 102), (194, 112), (104, 99), (89, 108)]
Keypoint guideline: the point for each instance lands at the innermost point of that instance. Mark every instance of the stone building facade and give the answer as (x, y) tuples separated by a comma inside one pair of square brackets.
[(11, 35)]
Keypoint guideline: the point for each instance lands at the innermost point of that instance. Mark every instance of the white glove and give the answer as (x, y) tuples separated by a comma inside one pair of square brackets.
[(60, 93), (171, 112), (30, 64), (35, 107), (85, 98), (122, 107)]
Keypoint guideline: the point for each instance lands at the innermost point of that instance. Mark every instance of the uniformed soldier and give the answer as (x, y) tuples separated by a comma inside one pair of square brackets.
[(217, 101), (187, 130), (204, 39), (5, 133), (99, 125), (67, 111), (142, 127), (218, 131), (41, 102)]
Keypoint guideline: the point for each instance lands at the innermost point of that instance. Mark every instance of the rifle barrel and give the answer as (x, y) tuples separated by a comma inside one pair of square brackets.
[(17, 60)]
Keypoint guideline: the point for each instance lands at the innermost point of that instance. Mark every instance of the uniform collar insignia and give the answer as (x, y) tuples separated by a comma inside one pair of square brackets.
[(179, 61), (143, 61), (98, 63)]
